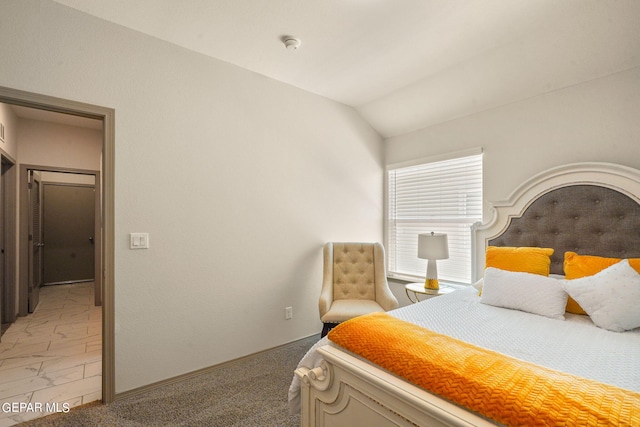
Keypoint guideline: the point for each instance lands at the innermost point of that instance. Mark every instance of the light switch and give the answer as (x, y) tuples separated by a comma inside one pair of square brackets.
[(139, 241)]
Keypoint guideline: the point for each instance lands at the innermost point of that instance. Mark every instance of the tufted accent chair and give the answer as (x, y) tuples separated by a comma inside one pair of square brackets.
[(354, 282)]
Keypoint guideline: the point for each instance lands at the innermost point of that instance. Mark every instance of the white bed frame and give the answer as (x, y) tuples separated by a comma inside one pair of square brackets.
[(345, 391)]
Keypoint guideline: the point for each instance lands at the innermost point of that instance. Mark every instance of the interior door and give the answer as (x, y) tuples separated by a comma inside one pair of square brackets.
[(35, 240), (69, 226)]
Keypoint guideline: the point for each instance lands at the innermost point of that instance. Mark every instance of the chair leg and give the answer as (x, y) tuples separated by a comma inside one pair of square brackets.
[(326, 328)]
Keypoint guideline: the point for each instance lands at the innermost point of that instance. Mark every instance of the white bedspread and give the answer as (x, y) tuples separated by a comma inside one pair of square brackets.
[(574, 345)]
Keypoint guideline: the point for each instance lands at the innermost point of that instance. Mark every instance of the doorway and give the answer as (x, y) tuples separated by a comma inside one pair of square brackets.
[(105, 210), (7, 237)]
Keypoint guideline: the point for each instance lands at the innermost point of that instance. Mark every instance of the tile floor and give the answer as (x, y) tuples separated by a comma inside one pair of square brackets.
[(52, 358)]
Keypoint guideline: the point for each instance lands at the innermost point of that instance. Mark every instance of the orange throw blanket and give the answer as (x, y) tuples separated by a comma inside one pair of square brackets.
[(509, 391)]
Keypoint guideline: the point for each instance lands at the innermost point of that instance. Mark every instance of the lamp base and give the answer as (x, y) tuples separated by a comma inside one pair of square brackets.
[(431, 284), (431, 281)]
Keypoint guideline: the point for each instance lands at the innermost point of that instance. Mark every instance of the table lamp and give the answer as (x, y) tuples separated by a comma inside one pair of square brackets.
[(432, 246)]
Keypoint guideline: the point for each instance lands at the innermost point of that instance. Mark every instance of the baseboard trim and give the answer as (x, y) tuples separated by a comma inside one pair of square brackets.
[(189, 375)]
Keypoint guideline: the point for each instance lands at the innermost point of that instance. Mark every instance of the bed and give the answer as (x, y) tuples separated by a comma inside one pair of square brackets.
[(578, 371)]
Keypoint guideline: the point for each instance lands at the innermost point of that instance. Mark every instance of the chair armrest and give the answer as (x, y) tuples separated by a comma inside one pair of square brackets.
[(384, 296), (386, 299), (326, 294)]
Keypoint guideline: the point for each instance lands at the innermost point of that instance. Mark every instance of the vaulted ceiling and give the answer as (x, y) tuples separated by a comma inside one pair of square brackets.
[(403, 64)]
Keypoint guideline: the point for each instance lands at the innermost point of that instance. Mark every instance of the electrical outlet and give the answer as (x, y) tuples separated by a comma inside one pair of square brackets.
[(288, 313)]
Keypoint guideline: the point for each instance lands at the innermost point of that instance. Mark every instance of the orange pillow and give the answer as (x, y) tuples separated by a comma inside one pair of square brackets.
[(577, 266), (520, 259)]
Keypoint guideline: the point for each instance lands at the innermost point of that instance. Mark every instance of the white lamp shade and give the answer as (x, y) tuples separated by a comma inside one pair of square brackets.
[(433, 246)]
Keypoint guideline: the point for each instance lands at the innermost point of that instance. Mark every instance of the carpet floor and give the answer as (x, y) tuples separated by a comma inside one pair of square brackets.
[(245, 393)]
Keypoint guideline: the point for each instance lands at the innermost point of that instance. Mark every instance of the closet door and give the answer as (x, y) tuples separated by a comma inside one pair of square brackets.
[(69, 225)]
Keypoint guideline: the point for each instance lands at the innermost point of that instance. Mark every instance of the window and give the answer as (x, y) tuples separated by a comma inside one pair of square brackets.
[(440, 196)]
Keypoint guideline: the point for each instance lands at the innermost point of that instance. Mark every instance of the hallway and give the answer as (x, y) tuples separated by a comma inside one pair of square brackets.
[(53, 355)]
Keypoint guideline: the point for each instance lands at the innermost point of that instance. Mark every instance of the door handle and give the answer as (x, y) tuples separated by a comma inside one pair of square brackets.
[(91, 239)]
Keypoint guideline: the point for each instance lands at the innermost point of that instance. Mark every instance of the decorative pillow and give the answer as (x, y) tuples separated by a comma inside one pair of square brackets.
[(522, 259), (528, 292), (577, 266), (611, 297)]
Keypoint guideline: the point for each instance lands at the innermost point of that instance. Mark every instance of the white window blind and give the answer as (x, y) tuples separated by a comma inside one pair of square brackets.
[(444, 197)]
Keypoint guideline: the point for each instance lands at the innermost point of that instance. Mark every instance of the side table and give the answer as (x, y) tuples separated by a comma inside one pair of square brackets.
[(419, 289)]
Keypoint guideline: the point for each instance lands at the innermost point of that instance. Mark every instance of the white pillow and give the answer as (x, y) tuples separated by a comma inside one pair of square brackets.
[(611, 297), (528, 292)]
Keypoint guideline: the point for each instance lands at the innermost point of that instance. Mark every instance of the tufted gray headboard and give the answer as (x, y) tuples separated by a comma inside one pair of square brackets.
[(587, 219)]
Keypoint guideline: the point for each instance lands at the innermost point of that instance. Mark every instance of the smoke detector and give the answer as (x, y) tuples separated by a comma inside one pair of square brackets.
[(291, 43)]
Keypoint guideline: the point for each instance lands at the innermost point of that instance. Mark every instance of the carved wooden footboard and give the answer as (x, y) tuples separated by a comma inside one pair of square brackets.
[(345, 391)]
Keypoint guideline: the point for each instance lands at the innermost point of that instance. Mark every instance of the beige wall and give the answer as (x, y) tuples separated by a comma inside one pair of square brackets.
[(68, 178), (49, 144), (239, 180)]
